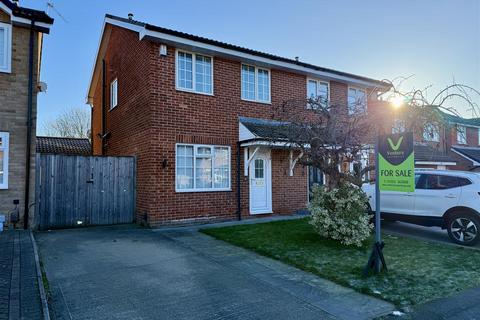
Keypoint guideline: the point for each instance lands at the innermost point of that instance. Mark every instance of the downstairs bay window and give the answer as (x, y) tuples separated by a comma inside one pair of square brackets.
[(202, 168), (4, 160)]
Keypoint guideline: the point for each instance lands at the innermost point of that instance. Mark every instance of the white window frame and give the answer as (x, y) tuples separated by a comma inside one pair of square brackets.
[(194, 80), (195, 147), (366, 99), (5, 148), (435, 137), (478, 133), (114, 93), (269, 101), (461, 139), (318, 81), (6, 65)]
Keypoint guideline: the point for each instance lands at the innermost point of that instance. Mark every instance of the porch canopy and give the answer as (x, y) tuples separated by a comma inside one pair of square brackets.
[(261, 133)]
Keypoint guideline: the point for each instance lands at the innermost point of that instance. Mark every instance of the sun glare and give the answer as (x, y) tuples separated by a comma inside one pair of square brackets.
[(397, 101)]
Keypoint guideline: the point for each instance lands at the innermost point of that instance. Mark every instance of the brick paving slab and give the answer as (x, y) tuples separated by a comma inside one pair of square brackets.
[(19, 292)]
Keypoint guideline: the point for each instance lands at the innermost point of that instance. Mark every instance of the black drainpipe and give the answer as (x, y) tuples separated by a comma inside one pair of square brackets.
[(239, 193), (29, 127), (104, 100)]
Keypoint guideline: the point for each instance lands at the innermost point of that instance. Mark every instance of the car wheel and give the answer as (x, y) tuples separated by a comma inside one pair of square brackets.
[(464, 228)]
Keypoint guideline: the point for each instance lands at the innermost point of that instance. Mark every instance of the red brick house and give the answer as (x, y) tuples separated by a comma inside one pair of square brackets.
[(452, 143), (195, 112)]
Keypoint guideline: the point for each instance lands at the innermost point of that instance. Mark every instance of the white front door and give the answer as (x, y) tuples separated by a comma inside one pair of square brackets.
[(260, 184)]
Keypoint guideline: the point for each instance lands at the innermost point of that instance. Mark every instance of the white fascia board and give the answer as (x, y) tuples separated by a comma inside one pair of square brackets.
[(125, 25), (254, 58), (474, 162), (438, 163), (28, 21), (3, 7)]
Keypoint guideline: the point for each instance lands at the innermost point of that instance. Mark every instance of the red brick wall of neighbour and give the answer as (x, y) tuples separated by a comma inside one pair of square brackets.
[(152, 116)]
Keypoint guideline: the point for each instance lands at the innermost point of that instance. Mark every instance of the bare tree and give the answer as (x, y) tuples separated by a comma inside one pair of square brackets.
[(72, 123), (327, 136)]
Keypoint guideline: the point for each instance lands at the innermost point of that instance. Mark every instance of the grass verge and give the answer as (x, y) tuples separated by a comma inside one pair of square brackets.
[(418, 271)]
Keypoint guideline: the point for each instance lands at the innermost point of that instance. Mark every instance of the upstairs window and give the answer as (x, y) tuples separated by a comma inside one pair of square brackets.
[(113, 94), (255, 84), (357, 101), (398, 126), (431, 132), (4, 160), (318, 91), (461, 134), (194, 72), (5, 47)]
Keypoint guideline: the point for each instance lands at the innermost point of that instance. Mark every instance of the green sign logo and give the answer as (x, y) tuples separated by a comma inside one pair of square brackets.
[(395, 146), (396, 163)]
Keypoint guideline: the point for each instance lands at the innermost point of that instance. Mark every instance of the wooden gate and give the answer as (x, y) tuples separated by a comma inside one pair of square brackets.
[(84, 190)]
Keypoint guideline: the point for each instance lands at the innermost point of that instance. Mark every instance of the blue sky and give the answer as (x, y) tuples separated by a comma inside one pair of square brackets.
[(435, 40)]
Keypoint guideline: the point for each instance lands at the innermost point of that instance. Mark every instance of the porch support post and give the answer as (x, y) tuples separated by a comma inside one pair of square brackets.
[(249, 159), (293, 162)]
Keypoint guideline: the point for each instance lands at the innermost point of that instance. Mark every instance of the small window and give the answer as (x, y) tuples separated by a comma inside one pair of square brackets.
[(202, 168), (259, 169), (255, 84), (317, 91), (461, 134), (441, 182), (194, 72), (357, 101), (4, 145), (398, 126), (113, 94), (431, 132), (5, 47)]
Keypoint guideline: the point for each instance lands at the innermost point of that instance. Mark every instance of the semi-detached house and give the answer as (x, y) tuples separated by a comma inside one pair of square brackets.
[(197, 115)]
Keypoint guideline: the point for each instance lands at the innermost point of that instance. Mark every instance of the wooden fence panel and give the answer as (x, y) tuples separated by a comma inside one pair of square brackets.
[(79, 190)]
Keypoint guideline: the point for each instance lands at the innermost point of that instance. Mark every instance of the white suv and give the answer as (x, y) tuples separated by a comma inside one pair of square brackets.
[(448, 199)]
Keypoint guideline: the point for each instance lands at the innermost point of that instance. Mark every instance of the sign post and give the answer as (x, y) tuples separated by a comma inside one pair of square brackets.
[(394, 171)]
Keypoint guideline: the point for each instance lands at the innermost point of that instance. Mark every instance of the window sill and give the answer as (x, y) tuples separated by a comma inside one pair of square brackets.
[(257, 101), (7, 70), (194, 92), (202, 190)]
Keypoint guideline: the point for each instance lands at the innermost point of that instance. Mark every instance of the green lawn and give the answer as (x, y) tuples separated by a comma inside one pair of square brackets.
[(419, 271)]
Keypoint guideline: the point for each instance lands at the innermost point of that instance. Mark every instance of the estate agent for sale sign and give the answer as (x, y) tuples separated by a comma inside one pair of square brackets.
[(396, 162)]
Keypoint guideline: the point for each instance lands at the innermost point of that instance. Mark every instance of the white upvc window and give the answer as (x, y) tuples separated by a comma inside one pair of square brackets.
[(319, 91), (255, 84), (202, 168), (4, 144), (461, 134), (194, 72), (357, 100), (5, 47), (478, 131), (113, 94), (398, 126), (431, 132)]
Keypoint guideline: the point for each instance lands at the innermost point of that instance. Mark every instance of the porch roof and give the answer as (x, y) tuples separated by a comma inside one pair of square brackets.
[(253, 131), (424, 153)]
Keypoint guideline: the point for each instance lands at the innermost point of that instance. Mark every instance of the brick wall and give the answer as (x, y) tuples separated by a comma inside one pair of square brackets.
[(152, 116), (13, 119)]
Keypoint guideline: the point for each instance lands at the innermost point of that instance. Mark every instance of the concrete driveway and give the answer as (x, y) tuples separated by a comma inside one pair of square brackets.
[(132, 273)]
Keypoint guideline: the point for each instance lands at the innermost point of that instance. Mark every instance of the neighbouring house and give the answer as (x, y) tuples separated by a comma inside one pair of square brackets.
[(452, 143), (21, 36), (61, 145), (196, 113)]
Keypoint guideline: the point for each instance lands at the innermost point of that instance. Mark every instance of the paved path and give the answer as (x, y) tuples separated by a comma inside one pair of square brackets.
[(132, 273), (19, 293)]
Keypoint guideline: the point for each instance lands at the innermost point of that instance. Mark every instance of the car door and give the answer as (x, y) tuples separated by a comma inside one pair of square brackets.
[(436, 193)]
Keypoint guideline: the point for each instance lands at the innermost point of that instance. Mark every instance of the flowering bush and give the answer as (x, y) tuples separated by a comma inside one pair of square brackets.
[(341, 214)]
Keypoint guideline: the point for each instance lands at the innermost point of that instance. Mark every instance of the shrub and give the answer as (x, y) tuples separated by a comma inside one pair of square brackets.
[(341, 214)]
